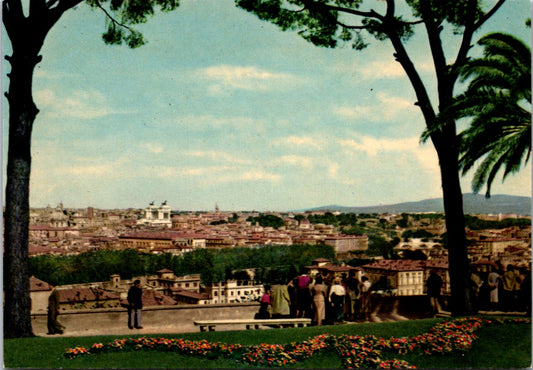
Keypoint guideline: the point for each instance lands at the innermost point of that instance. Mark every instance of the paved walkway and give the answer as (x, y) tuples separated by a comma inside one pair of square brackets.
[(172, 329), (146, 330)]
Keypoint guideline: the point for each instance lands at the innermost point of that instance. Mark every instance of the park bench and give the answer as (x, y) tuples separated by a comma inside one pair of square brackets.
[(210, 325)]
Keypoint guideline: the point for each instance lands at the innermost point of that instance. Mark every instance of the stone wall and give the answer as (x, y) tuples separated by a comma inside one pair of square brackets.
[(167, 319), (180, 318)]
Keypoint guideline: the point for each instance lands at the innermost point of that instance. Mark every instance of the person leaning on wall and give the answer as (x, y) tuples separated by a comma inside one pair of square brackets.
[(135, 305)]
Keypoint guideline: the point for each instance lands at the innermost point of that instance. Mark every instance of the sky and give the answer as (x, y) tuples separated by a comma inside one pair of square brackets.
[(222, 109)]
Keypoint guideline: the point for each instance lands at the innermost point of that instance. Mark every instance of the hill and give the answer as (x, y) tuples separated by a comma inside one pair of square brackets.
[(473, 204)]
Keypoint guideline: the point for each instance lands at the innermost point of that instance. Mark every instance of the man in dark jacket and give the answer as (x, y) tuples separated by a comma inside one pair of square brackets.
[(54, 326), (135, 305), (434, 285)]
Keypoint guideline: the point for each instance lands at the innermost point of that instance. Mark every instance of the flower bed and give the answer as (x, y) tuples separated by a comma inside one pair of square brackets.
[(354, 351)]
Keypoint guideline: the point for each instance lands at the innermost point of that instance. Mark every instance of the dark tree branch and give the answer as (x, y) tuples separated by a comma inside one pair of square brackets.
[(12, 15), (489, 14), (391, 8), (37, 6), (51, 3), (113, 20), (351, 27), (370, 14), (65, 5), (468, 33)]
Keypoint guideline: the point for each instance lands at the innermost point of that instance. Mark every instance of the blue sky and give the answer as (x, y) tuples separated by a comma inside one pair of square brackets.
[(222, 108)]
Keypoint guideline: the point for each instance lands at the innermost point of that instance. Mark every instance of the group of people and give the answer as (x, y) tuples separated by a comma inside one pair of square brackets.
[(323, 299), (499, 290), (332, 299)]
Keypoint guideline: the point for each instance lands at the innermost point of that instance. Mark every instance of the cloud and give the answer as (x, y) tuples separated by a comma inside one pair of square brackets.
[(386, 108), (79, 104), (210, 175), (85, 168), (154, 148), (54, 75), (295, 160), (258, 175), (381, 69), (408, 147), (372, 145), (354, 112), (218, 156), (203, 122), (299, 141), (227, 77)]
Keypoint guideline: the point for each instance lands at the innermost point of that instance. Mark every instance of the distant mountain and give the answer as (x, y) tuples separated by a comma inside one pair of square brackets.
[(473, 204)]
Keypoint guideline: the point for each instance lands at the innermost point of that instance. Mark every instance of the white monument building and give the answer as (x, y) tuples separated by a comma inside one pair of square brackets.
[(156, 216)]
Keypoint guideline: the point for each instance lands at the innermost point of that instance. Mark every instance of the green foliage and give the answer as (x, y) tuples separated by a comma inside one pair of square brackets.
[(267, 221), (121, 15), (272, 262), (327, 218), (404, 221), (475, 223), (327, 23), (498, 102), (416, 255), (512, 352), (454, 12), (379, 246)]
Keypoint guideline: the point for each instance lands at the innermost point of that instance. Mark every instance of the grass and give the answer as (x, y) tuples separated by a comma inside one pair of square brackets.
[(498, 346)]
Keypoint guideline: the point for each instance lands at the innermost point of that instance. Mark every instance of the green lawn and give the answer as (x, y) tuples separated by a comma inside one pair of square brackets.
[(498, 346)]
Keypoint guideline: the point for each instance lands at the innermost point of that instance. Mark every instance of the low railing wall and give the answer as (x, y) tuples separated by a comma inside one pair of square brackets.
[(167, 319), (180, 318)]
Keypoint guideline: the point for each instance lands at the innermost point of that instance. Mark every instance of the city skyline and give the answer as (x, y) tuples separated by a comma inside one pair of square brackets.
[(221, 108)]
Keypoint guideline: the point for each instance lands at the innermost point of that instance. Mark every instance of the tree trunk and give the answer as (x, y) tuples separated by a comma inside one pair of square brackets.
[(446, 145), (461, 299), (22, 113)]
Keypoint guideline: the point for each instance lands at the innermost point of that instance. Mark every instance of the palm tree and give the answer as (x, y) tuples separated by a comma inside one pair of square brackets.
[(498, 99)]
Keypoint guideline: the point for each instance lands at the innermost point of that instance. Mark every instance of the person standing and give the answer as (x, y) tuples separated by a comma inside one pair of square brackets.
[(54, 326), (280, 301), (366, 302), (493, 280), (434, 285), (525, 291), (303, 295), (292, 287), (265, 303), (135, 305), (336, 297), (319, 292), (352, 284), (477, 283), (511, 286)]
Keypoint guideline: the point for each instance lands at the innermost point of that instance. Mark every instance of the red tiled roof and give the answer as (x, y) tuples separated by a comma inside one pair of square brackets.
[(84, 294), (155, 298), (436, 263), (150, 235), (152, 298), (165, 270), (318, 260), (189, 294), (333, 268), (33, 249), (37, 285), (395, 265), (484, 262), (343, 237)]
